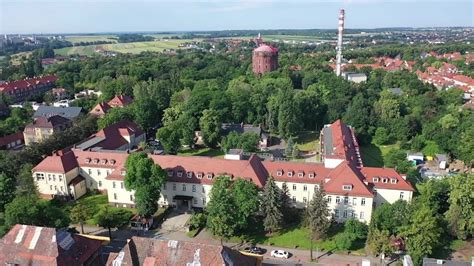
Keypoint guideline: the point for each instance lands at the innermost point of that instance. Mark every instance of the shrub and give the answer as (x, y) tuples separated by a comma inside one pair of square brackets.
[(197, 221), (343, 241)]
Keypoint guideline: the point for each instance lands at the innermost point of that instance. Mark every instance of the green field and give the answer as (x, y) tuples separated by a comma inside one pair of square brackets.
[(308, 141), (133, 47), (292, 38), (90, 38), (373, 155)]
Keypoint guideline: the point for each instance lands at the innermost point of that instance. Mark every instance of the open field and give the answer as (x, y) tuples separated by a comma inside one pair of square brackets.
[(308, 141), (133, 47), (292, 38), (90, 38), (373, 155)]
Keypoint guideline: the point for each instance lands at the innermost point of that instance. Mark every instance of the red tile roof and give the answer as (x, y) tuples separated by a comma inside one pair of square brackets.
[(26, 83), (389, 173), (148, 251), (11, 138), (312, 172), (120, 101), (47, 122), (100, 109), (57, 163), (344, 143), (346, 174), (114, 135), (34, 245)]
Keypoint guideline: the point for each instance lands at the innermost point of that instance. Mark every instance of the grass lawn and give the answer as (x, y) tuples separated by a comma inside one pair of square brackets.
[(90, 38), (133, 47), (292, 37), (373, 155), (202, 152), (308, 141)]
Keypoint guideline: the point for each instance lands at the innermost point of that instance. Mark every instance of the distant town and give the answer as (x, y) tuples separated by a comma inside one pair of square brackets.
[(248, 147)]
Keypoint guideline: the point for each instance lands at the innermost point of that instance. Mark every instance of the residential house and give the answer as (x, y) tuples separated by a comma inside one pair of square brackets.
[(123, 135), (66, 112), (43, 127), (149, 251), (243, 128), (103, 107), (21, 90), (355, 77), (352, 190), (59, 93), (45, 246), (12, 142)]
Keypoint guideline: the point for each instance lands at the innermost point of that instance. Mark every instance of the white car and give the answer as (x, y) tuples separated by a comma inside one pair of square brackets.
[(280, 254)]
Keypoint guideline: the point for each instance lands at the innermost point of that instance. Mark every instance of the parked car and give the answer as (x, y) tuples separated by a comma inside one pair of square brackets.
[(280, 254), (254, 250)]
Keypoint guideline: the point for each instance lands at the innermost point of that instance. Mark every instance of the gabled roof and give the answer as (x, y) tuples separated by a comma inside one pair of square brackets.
[(347, 174), (390, 174), (35, 245), (240, 128), (11, 138), (100, 109), (148, 251), (26, 83), (120, 101), (66, 112), (47, 122), (339, 142), (57, 163), (319, 171)]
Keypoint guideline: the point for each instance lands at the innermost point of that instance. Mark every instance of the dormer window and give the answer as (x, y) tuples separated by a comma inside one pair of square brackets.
[(103, 161), (210, 175), (189, 174), (199, 175), (311, 175), (384, 180), (123, 173), (347, 187), (393, 180), (300, 174), (289, 174), (279, 172), (96, 160), (375, 179), (88, 160), (170, 173), (180, 173), (112, 161)]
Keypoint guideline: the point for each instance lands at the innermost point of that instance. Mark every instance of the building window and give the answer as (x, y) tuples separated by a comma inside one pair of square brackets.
[(294, 199), (113, 184), (54, 178), (353, 214), (393, 180), (131, 197), (401, 195), (50, 187), (184, 187), (121, 185), (100, 183), (203, 190), (39, 176), (362, 202), (375, 179), (174, 187), (361, 215), (329, 199), (289, 174), (336, 213), (190, 174), (195, 201), (107, 172), (346, 200), (338, 200), (49, 177), (204, 201), (294, 187), (305, 200), (384, 180), (305, 188), (311, 175), (344, 214), (61, 188), (209, 176), (300, 174), (60, 178), (347, 187), (98, 171), (164, 186), (89, 171), (354, 201), (115, 196), (279, 173), (170, 173), (165, 197), (199, 175), (194, 188), (180, 173), (316, 188)]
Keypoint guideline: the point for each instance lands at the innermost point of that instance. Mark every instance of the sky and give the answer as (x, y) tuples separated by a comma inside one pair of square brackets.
[(94, 16)]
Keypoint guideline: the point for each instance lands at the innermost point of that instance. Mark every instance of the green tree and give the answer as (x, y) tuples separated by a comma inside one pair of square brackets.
[(79, 214), (382, 136), (170, 138), (397, 159), (146, 178), (22, 210), (431, 148), (25, 183), (113, 218), (343, 241), (247, 201), (317, 216), (378, 242), (355, 229), (7, 190), (423, 234), (289, 116), (210, 124), (460, 215), (220, 215), (271, 207), (286, 204)]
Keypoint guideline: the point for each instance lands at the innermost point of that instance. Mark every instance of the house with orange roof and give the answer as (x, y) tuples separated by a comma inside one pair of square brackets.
[(103, 107), (20, 90), (352, 190)]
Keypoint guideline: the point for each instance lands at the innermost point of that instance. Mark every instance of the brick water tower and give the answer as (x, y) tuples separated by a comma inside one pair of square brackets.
[(264, 59)]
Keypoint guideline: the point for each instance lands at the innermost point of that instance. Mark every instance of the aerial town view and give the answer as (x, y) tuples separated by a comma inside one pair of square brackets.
[(237, 132)]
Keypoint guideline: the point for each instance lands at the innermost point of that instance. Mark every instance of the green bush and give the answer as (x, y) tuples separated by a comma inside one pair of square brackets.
[(343, 241), (197, 221)]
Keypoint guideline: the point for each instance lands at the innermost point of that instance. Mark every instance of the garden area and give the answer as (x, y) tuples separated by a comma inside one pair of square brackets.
[(202, 152)]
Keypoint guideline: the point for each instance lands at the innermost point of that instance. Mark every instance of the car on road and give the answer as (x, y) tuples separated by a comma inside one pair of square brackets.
[(280, 254), (254, 250)]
